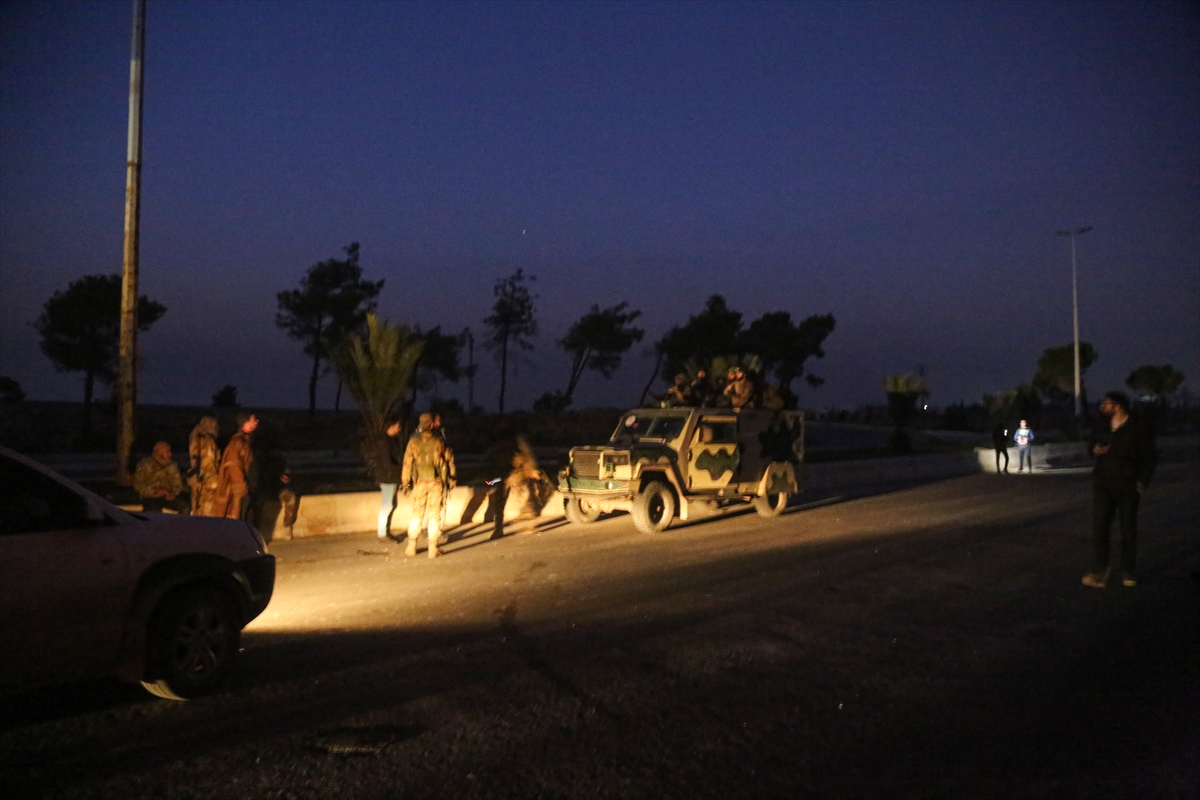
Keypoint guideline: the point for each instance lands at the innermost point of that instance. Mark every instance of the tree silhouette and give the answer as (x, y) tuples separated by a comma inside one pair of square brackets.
[(714, 338), (438, 361), (711, 333), (784, 347), (1024, 402), (597, 341), (1055, 376), (226, 397), (10, 390), (333, 301), (1158, 380), (513, 321), (81, 331)]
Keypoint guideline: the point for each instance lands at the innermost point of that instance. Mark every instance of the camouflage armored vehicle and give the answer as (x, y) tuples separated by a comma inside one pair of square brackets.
[(660, 460)]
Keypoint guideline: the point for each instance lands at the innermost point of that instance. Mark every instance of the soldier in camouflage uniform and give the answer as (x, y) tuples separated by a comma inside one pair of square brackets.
[(158, 483), (205, 466), (739, 389), (451, 468), (528, 487), (233, 486), (424, 466)]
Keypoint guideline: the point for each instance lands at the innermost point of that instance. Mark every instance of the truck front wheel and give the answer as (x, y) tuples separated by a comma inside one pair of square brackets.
[(581, 511), (654, 508)]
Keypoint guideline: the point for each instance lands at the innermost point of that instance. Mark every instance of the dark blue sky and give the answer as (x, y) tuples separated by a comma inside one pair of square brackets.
[(901, 165)]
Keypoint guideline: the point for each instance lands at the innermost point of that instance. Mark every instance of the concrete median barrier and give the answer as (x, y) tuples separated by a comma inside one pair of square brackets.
[(356, 512)]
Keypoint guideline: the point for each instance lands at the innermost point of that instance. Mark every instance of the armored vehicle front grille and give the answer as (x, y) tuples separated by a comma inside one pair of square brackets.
[(586, 465)]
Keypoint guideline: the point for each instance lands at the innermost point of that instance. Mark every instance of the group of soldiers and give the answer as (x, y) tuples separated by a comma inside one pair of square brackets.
[(738, 391), (427, 472), (218, 481)]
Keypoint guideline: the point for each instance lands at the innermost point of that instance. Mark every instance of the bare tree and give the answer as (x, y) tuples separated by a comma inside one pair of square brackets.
[(333, 300), (513, 321), (81, 327), (597, 341)]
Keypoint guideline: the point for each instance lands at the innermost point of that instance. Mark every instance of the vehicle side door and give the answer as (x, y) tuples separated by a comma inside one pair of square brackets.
[(713, 454), (64, 587)]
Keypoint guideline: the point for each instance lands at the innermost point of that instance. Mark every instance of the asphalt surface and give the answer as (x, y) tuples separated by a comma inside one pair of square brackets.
[(929, 641)]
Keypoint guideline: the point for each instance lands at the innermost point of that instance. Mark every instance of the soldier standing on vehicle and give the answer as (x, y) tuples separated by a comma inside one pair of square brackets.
[(699, 392), (680, 392), (425, 467), (233, 488), (203, 473), (739, 390)]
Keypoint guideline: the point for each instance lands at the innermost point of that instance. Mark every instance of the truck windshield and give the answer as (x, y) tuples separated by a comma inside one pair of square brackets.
[(650, 426)]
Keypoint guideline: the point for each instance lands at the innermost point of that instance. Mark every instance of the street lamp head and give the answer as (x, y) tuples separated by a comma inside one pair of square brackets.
[(1075, 232)]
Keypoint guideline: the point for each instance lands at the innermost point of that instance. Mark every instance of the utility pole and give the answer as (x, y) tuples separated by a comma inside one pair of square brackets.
[(1075, 312), (127, 367)]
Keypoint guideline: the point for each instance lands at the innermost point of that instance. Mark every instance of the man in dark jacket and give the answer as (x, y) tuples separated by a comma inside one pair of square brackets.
[(1000, 445), (385, 467), (1125, 457)]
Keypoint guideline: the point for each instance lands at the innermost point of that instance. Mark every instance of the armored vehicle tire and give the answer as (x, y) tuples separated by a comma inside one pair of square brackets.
[(771, 505), (654, 508), (581, 511), (192, 643)]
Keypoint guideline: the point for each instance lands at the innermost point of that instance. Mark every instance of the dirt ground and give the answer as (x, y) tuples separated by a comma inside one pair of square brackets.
[(932, 641)]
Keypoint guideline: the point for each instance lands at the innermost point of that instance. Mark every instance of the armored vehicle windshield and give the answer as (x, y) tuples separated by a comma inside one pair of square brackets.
[(640, 426)]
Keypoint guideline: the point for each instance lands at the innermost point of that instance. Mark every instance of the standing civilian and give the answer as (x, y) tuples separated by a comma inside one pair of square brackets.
[(385, 452), (1000, 443), (1023, 436), (1125, 457)]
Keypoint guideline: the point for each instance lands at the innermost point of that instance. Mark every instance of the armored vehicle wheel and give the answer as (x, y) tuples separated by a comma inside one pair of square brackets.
[(581, 511), (771, 505), (654, 508)]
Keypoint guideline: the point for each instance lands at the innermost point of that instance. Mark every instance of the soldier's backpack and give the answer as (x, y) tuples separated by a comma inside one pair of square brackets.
[(429, 464)]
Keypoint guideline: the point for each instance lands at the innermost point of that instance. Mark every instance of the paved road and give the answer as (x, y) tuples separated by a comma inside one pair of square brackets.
[(932, 641)]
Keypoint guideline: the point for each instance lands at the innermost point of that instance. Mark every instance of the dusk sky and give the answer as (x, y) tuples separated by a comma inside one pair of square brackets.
[(901, 165)]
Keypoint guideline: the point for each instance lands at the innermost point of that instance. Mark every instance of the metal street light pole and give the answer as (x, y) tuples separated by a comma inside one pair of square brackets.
[(1075, 310)]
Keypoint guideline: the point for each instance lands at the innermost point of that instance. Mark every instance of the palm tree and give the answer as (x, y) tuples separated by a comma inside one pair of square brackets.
[(378, 371)]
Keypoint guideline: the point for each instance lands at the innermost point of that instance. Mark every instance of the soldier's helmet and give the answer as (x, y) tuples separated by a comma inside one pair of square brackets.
[(681, 379), (425, 422), (733, 371)]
